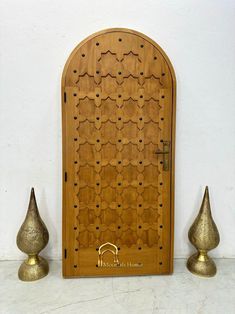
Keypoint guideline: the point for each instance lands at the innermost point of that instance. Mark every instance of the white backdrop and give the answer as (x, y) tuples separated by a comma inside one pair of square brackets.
[(36, 38)]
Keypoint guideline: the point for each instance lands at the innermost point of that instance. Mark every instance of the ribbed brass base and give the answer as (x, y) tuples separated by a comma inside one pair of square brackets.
[(34, 268), (201, 264)]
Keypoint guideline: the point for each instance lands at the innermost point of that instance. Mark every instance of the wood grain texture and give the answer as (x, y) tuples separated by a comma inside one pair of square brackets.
[(118, 106)]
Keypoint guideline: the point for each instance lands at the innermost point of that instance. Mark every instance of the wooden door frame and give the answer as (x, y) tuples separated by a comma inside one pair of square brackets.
[(172, 183)]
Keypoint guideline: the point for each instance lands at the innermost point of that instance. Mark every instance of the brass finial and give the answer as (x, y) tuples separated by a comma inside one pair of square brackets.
[(204, 235), (31, 239)]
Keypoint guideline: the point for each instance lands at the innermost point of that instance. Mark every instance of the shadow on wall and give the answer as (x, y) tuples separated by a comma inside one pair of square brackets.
[(44, 211)]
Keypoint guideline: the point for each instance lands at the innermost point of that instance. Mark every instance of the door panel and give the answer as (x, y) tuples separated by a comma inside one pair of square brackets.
[(118, 107)]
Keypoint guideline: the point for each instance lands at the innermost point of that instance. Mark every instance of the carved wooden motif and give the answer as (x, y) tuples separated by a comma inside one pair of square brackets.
[(118, 106)]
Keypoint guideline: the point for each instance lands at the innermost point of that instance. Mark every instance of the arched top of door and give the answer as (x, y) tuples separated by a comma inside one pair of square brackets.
[(119, 30)]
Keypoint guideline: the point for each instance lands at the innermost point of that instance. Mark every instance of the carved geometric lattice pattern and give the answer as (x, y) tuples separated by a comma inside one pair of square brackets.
[(118, 98)]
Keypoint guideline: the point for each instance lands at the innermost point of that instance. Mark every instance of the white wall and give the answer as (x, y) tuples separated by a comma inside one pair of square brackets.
[(36, 38)]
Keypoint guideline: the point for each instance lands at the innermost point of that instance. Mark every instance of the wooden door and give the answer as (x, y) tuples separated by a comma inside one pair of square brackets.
[(118, 106)]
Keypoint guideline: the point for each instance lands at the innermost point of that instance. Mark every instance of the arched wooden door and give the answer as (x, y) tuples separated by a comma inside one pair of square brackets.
[(118, 105)]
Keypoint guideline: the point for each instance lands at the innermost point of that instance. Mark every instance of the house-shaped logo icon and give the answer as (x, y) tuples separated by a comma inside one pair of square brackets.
[(103, 249)]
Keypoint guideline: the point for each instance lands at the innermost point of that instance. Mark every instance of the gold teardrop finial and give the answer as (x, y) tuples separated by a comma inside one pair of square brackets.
[(32, 237), (204, 236)]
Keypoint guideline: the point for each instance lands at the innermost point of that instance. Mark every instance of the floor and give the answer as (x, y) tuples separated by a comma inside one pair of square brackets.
[(180, 293)]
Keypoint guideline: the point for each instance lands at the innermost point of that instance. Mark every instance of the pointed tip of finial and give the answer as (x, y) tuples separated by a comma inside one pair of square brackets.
[(206, 200), (32, 200), (32, 194)]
